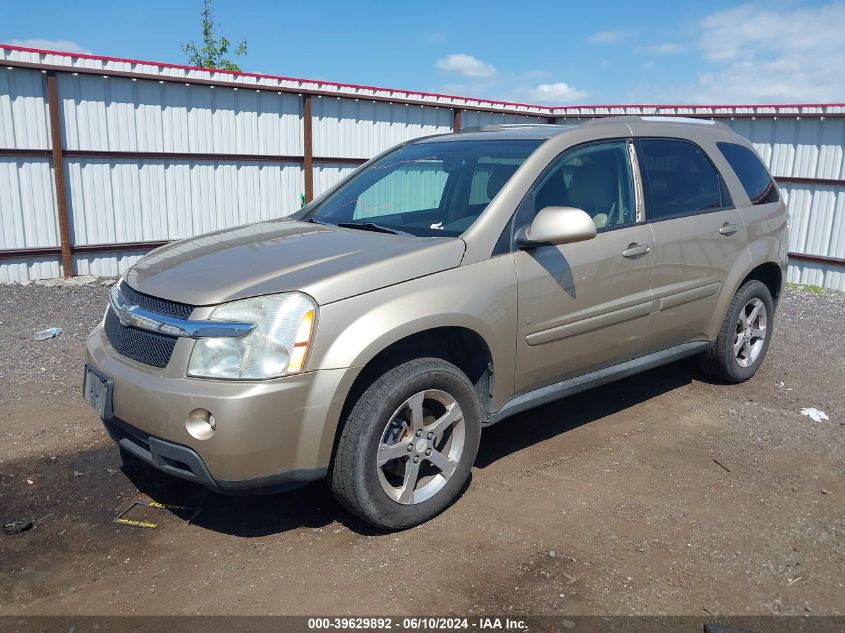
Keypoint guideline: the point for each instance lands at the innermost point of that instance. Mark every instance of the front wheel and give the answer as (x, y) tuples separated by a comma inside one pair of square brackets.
[(408, 445), (744, 337)]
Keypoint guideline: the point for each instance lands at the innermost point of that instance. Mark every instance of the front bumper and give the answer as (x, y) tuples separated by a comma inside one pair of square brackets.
[(185, 463), (267, 432)]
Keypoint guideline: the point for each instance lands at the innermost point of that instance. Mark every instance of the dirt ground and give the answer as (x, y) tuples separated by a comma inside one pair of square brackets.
[(660, 494)]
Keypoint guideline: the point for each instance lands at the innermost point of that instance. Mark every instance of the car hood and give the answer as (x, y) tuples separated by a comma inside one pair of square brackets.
[(327, 262)]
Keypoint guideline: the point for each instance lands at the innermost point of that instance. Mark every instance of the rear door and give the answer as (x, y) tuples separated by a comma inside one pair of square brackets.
[(698, 235), (583, 306)]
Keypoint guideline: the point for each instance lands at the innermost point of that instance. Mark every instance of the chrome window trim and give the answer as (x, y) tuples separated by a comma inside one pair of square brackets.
[(137, 317)]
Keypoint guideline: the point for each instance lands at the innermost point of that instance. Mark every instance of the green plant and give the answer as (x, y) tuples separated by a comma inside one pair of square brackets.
[(213, 51), (816, 290)]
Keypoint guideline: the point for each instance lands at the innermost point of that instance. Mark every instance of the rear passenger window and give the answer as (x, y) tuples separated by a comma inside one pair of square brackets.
[(679, 179), (755, 179)]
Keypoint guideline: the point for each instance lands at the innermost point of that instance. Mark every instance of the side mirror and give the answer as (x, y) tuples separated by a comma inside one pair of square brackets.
[(557, 225)]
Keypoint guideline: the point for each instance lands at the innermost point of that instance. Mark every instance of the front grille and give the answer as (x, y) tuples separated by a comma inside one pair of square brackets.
[(155, 304), (139, 345), (145, 347)]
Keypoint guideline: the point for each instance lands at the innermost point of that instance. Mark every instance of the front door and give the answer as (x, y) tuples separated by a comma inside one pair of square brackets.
[(584, 306)]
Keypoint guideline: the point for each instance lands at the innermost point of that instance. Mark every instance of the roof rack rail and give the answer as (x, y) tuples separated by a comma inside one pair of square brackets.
[(603, 120), (657, 118), (498, 127)]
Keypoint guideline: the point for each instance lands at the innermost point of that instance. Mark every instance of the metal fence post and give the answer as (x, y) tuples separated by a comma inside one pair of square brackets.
[(59, 172), (308, 148)]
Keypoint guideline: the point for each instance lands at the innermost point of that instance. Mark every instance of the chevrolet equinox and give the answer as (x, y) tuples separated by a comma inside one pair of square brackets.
[(445, 285)]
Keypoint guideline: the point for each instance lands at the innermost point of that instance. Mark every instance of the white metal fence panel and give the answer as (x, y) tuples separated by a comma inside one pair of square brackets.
[(817, 274), (327, 175), (105, 264), (117, 114), (803, 148), (816, 219), (24, 123), (361, 129), (119, 201), (470, 118), (25, 269), (27, 204)]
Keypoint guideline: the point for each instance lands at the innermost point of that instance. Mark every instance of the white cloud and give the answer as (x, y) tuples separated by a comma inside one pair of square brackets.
[(559, 92), (607, 37), (749, 30), (764, 55), (51, 45), (466, 65)]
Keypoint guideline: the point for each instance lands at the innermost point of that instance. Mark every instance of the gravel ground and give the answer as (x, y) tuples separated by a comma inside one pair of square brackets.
[(44, 376), (659, 494)]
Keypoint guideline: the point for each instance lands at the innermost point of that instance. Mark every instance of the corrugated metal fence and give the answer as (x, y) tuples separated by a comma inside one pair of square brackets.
[(102, 159)]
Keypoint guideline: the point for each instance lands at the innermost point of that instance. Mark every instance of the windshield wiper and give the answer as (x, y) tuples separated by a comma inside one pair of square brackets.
[(372, 226)]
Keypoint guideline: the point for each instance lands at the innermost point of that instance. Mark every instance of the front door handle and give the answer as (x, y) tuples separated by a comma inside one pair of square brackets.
[(728, 229), (635, 250)]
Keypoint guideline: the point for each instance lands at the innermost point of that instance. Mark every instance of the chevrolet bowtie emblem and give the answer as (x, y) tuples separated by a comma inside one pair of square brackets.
[(131, 315)]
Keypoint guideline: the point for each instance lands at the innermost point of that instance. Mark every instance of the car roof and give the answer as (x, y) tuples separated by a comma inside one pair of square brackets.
[(680, 126)]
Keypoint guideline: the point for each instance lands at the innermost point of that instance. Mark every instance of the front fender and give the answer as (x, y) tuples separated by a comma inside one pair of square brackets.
[(352, 332), (480, 297)]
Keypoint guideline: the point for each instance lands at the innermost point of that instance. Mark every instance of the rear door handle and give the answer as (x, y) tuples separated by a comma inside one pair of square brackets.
[(635, 250), (728, 229)]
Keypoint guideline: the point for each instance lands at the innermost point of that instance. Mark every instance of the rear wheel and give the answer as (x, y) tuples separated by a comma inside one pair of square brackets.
[(744, 337), (408, 445)]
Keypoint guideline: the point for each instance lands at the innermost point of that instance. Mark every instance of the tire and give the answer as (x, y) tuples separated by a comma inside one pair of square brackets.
[(16, 526), (735, 357), (394, 415)]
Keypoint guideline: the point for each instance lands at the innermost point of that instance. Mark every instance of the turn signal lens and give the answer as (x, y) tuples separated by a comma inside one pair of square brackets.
[(300, 346)]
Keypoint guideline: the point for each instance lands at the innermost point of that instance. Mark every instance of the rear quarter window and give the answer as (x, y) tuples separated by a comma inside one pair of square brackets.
[(753, 175)]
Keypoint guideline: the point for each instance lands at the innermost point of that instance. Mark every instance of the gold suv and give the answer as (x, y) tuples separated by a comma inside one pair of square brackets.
[(445, 285)]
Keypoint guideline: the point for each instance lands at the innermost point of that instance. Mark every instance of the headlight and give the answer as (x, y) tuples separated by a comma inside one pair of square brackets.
[(276, 347)]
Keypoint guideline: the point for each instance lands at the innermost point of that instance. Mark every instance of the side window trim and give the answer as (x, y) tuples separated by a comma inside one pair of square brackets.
[(647, 195), (639, 192)]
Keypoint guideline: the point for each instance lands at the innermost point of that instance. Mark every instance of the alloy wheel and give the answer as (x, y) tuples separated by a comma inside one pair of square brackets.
[(420, 447), (750, 334)]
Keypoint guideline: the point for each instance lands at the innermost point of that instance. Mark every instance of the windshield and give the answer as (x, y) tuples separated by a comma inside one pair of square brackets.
[(425, 189)]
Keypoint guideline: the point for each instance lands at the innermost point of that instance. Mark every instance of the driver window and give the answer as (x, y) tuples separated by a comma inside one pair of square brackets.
[(596, 178)]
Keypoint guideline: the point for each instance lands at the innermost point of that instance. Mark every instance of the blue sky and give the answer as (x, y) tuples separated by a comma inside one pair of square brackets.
[(538, 52)]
